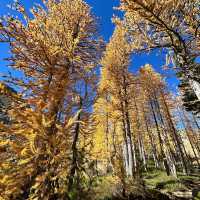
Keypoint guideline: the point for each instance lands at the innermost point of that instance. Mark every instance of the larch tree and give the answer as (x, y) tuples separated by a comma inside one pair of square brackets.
[(56, 49), (118, 85), (189, 129), (7, 95), (150, 83), (172, 25), (158, 104), (115, 62)]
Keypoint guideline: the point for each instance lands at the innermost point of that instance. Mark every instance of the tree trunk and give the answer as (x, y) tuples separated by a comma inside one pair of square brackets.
[(153, 146), (188, 128), (184, 163), (75, 150)]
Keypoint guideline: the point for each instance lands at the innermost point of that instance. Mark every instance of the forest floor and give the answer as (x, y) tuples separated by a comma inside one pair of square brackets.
[(181, 188)]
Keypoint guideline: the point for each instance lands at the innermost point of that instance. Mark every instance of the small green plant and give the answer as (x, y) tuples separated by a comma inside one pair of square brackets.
[(197, 196)]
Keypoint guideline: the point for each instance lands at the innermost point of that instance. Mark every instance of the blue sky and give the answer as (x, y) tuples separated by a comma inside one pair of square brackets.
[(103, 9)]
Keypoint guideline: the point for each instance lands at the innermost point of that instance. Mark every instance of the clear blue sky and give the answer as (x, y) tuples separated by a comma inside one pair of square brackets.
[(103, 9)]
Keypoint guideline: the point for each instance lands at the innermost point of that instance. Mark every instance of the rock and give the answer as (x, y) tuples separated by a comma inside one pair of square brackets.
[(149, 195), (183, 194), (157, 195)]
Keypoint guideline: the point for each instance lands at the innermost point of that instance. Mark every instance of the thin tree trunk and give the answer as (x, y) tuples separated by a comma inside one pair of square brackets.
[(184, 163), (140, 139), (153, 146), (158, 131), (187, 130), (107, 140), (75, 150), (163, 155), (169, 152), (128, 126), (126, 157)]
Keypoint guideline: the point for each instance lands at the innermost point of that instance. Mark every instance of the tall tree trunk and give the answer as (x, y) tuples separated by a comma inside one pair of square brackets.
[(158, 131), (169, 152), (126, 151), (140, 137), (188, 130), (128, 126), (163, 154), (153, 146), (74, 166), (107, 140), (130, 141), (182, 157)]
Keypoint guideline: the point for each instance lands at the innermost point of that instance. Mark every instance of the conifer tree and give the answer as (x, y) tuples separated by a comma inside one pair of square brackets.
[(56, 50), (171, 25)]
